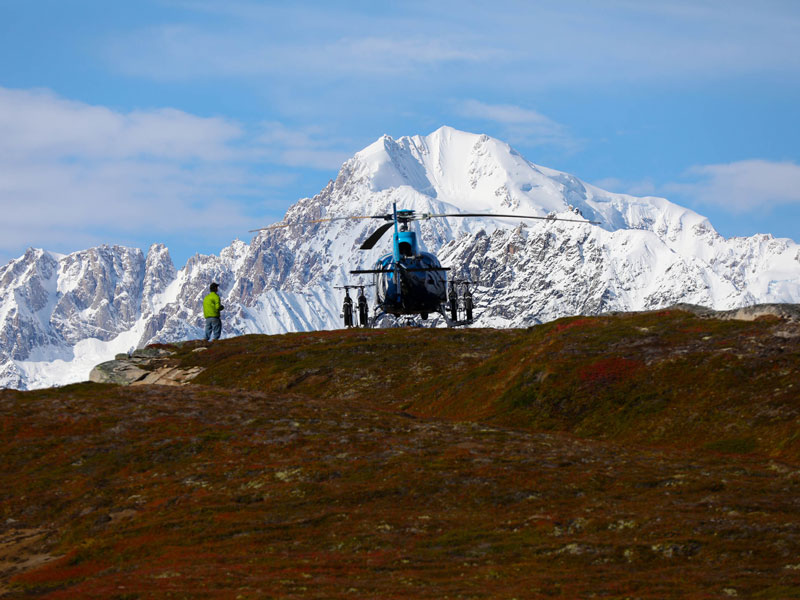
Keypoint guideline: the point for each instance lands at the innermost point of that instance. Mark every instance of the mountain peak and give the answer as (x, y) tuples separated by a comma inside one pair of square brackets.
[(468, 171)]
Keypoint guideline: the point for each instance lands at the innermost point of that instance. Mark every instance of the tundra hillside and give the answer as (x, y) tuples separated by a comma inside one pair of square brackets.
[(650, 455)]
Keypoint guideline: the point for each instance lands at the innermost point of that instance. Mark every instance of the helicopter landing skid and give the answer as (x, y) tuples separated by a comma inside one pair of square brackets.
[(390, 320), (459, 323)]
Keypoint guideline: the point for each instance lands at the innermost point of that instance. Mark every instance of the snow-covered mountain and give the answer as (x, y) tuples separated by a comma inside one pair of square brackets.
[(61, 315)]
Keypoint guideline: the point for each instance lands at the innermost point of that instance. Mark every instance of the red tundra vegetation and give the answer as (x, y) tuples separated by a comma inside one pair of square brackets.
[(652, 455)]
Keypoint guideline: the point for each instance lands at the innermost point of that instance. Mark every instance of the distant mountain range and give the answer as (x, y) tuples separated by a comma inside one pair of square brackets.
[(62, 314)]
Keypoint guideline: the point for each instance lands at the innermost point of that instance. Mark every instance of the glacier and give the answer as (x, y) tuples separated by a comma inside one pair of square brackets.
[(62, 314)]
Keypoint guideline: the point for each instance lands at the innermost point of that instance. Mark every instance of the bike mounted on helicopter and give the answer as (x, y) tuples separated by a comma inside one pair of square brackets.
[(361, 308)]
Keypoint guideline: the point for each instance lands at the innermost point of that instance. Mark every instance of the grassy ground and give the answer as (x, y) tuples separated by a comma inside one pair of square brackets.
[(636, 456)]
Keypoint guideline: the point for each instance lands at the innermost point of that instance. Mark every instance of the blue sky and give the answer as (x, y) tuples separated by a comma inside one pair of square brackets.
[(190, 122)]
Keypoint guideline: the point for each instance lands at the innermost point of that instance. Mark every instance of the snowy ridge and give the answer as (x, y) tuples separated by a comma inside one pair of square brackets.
[(61, 315)]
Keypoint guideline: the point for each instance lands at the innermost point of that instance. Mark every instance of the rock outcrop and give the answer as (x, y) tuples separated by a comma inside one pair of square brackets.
[(144, 366)]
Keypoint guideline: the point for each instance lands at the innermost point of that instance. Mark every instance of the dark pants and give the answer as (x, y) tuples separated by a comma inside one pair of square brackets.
[(213, 328)]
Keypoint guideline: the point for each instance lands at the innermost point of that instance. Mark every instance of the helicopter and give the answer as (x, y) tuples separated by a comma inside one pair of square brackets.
[(409, 282)]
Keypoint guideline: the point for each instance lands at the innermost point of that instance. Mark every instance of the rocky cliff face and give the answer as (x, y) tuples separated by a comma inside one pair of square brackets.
[(61, 315)]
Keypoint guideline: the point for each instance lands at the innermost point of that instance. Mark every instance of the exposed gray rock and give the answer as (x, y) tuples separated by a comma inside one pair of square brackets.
[(788, 312), (143, 366), (99, 293), (122, 372), (169, 376), (148, 353)]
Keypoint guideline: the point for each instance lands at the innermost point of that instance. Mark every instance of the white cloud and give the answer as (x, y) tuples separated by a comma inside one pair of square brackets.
[(394, 54), (178, 52), (524, 45), (643, 187), (39, 123), (304, 146), (519, 124), (742, 186), (72, 173), (55, 202), (506, 113), (739, 187)]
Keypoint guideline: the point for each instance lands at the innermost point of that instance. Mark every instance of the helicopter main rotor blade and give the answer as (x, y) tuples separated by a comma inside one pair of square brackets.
[(315, 221), (426, 216), (411, 216), (376, 235), (348, 218)]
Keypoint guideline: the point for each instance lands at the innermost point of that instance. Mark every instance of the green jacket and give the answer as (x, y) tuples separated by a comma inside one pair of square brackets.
[(211, 305)]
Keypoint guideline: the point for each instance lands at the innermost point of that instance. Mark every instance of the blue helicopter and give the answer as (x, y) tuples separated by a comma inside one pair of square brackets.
[(407, 281), (410, 282)]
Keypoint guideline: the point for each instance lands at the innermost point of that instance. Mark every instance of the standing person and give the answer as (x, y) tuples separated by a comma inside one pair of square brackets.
[(211, 308)]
